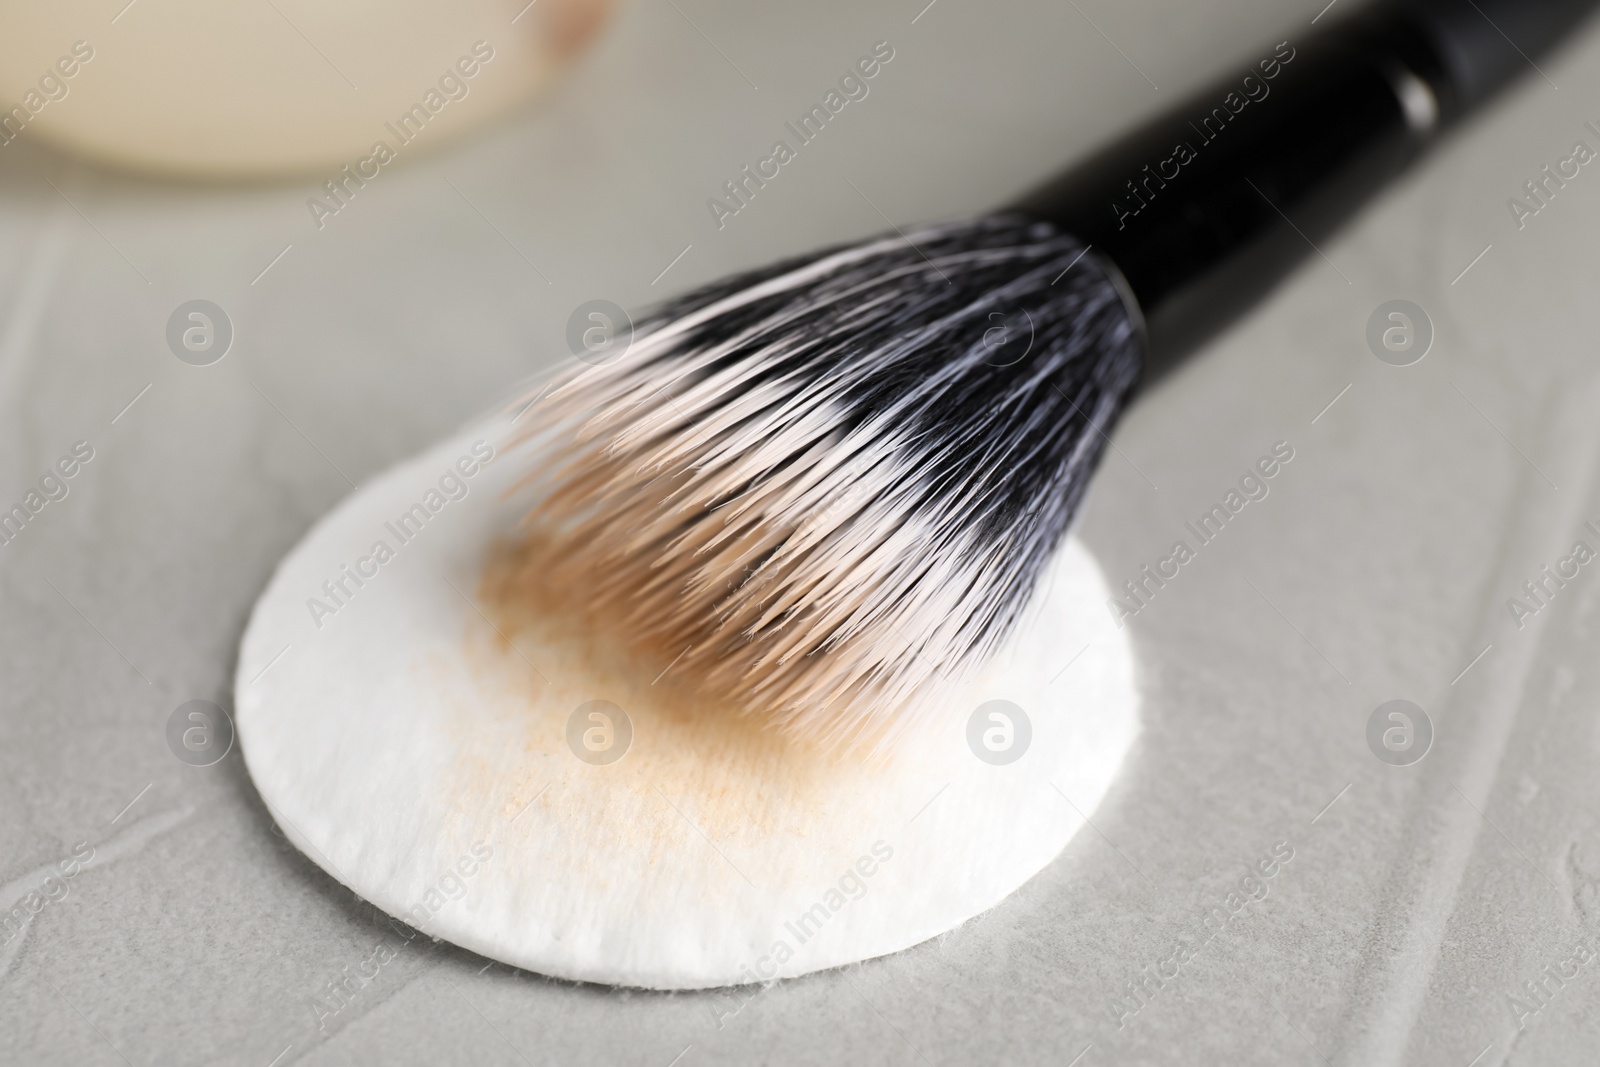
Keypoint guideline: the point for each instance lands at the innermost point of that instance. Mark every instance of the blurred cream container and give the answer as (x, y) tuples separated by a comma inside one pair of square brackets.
[(249, 89)]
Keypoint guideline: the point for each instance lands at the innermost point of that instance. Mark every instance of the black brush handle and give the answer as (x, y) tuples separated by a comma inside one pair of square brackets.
[(1206, 208)]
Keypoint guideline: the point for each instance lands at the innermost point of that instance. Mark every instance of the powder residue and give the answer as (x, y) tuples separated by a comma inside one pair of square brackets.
[(695, 766)]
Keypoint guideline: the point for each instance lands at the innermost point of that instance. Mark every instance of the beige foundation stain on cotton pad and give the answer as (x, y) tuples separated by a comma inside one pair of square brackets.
[(421, 731), (747, 773)]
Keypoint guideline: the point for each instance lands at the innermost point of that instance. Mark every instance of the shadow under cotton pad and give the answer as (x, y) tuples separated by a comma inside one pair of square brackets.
[(457, 754)]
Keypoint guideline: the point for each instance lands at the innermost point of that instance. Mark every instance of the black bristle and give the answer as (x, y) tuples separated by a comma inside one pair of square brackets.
[(839, 476)]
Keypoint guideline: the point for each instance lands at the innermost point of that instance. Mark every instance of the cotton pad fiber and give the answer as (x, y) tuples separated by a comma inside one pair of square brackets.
[(451, 747)]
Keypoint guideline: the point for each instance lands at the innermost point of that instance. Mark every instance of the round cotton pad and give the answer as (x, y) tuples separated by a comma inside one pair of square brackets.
[(473, 766)]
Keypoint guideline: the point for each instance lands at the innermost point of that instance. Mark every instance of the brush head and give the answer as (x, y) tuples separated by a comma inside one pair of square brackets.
[(819, 488)]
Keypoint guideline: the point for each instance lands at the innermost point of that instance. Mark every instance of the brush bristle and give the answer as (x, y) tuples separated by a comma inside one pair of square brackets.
[(830, 483)]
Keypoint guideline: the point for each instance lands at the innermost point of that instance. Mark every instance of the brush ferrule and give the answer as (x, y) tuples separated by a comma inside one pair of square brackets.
[(1206, 208)]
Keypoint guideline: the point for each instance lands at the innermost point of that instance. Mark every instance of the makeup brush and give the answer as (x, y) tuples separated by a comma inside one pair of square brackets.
[(821, 487)]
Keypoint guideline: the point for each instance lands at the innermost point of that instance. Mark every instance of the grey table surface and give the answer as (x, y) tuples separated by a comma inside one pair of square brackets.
[(1420, 901)]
